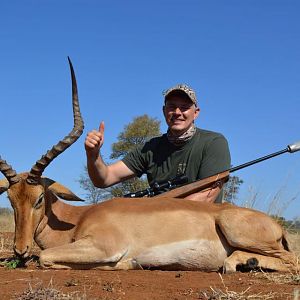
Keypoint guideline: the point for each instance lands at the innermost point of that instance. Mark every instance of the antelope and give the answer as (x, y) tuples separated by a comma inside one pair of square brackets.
[(164, 232)]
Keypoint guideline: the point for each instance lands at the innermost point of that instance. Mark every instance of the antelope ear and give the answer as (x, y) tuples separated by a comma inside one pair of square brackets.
[(60, 190), (3, 185)]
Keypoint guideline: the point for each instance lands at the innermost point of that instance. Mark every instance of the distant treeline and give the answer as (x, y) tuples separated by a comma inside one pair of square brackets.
[(6, 211), (289, 224)]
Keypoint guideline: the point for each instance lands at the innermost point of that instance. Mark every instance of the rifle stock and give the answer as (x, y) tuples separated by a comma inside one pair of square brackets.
[(196, 186)]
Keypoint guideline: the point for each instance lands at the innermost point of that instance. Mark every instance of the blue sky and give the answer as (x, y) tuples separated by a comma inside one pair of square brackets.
[(241, 57)]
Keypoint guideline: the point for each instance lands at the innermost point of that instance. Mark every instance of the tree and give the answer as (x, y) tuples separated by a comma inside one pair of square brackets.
[(231, 189), (93, 194), (134, 134)]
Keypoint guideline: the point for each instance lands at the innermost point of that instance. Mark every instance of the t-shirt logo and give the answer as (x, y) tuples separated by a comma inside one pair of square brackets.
[(181, 168)]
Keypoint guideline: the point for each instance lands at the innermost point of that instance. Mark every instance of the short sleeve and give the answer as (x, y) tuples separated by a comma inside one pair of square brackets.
[(135, 161), (216, 157)]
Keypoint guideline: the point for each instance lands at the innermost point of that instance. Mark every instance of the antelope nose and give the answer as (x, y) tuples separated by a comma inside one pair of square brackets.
[(21, 252)]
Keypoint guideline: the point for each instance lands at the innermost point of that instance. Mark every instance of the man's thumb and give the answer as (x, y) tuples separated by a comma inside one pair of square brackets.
[(101, 127)]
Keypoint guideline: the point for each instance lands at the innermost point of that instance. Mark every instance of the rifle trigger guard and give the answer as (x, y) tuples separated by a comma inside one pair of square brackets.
[(218, 183)]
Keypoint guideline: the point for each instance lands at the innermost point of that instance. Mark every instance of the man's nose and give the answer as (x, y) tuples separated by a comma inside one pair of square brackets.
[(177, 110)]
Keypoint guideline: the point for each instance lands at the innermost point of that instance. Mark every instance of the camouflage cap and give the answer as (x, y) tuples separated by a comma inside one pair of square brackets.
[(182, 88)]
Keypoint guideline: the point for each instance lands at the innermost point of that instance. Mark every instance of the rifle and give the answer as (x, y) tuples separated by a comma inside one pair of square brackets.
[(178, 188), (158, 187)]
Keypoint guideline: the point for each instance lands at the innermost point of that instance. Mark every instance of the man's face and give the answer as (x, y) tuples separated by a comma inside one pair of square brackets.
[(179, 113)]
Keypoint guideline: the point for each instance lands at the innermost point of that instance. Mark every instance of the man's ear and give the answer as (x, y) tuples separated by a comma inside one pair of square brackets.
[(60, 190), (197, 112)]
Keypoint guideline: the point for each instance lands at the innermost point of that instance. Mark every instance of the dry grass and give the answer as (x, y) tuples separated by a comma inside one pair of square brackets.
[(7, 223), (218, 294), (294, 241), (280, 278), (276, 204), (49, 293), (226, 294)]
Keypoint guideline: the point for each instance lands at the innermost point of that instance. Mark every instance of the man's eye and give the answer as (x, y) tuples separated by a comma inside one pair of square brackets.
[(181, 108), (171, 107)]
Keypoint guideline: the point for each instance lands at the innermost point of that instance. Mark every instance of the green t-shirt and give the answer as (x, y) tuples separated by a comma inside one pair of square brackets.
[(204, 155)]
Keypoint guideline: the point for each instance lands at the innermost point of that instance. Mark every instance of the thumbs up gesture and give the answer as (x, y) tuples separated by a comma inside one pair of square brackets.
[(94, 141)]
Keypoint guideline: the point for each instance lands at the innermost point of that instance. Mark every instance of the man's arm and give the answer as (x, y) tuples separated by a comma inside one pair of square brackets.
[(208, 195), (103, 175)]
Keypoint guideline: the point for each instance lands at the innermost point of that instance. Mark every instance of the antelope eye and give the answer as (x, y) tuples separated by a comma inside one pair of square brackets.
[(39, 201)]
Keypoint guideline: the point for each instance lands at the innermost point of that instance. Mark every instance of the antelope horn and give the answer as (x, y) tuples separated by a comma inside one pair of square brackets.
[(37, 170), (8, 172)]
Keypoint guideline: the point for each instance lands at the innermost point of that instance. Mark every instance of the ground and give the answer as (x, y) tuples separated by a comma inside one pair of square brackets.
[(140, 284)]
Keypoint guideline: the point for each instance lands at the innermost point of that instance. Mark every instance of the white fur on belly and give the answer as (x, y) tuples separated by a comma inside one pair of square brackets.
[(189, 254)]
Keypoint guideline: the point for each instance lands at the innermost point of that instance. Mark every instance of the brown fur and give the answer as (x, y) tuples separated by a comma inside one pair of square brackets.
[(160, 232)]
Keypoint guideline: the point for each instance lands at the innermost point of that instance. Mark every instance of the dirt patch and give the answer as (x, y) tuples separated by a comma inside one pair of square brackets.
[(141, 284)]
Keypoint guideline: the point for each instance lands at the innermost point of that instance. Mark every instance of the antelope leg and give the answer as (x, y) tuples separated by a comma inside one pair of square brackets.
[(82, 254), (245, 261)]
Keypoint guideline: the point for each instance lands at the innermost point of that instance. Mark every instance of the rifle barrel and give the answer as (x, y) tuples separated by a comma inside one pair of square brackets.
[(255, 161), (290, 148)]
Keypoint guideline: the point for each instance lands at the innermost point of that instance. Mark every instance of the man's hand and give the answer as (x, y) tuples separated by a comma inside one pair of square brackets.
[(94, 141), (208, 195)]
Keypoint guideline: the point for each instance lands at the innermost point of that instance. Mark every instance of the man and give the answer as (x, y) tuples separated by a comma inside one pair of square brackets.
[(183, 150)]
